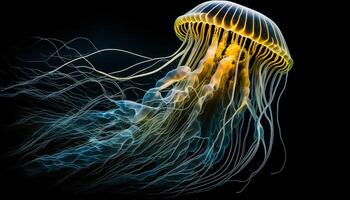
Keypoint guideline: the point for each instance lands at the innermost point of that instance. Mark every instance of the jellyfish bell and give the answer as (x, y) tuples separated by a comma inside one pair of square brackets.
[(200, 126), (242, 23)]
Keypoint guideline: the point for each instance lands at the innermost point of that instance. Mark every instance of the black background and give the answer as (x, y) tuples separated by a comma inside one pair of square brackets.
[(148, 28)]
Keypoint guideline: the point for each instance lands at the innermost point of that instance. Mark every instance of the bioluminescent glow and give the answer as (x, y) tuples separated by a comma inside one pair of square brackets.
[(210, 119)]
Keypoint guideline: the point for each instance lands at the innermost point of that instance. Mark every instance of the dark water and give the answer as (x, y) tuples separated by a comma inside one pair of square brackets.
[(147, 28)]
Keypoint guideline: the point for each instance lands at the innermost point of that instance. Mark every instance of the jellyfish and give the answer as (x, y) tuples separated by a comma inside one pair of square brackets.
[(211, 118)]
